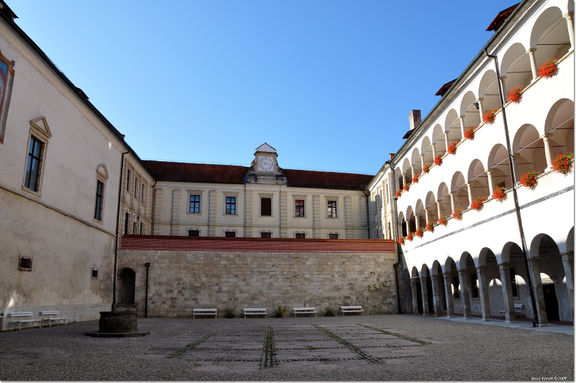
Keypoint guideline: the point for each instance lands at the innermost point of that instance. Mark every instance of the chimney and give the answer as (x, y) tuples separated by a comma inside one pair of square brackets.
[(392, 155), (414, 119)]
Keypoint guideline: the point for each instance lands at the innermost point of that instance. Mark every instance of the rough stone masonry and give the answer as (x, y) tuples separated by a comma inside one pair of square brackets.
[(232, 273)]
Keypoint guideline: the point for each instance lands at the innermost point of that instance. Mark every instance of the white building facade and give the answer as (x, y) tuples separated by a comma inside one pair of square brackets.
[(497, 260)]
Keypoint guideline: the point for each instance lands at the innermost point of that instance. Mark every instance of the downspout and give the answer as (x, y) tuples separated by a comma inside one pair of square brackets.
[(153, 207), (117, 231), (514, 193), (147, 265)]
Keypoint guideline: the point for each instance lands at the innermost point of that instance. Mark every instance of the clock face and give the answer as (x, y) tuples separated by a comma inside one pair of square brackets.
[(265, 164)]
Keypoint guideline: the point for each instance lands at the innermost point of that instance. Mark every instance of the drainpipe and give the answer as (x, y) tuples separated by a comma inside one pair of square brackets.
[(117, 232), (514, 193), (147, 265), (153, 207)]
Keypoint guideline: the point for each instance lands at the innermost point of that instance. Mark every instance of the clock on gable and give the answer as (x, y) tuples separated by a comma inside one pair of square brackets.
[(265, 164)]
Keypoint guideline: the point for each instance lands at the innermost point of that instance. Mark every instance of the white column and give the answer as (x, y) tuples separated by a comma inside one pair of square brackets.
[(417, 219), (438, 209), (503, 79), (507, 291), (533, 66), (421, 162), (481, 108), (433, 152), (452, 204), (427, 216), (568, 18), (547, 152), (470, 198), (462, 128), (569, 276), (449, 297), (446, 141), (490, 182), (484, 294)]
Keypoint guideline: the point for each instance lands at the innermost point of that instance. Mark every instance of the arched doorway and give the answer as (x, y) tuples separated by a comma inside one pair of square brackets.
[(127, 286)]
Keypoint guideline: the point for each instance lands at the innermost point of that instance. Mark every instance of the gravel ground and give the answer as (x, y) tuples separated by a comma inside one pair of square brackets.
[(381, 347)]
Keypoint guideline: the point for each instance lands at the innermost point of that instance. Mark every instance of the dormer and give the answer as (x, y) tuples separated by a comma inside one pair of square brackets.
[(264, 167)]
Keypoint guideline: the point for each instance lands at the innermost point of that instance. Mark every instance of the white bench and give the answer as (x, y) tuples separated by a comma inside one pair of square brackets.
[(304, 310), (51, 316), (204, 312), (255, 311), (351, 310), (23, 317)]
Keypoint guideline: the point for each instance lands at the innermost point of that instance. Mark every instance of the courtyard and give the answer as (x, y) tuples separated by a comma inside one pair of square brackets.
[(378, 347)]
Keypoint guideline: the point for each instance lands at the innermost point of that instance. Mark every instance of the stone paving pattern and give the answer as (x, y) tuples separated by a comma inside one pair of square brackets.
[(380, 347)]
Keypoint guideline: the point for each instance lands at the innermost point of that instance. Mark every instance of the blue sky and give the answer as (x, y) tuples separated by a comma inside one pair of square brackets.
[(328, 83)]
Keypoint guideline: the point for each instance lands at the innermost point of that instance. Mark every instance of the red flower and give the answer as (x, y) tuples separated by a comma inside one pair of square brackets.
[(401, 240), (410, 236), (515, 95), (438, 160), (563, 163), (529, 179), (442, 221), (406, 186), (426, 168), (430, 227), (415, 178), (490, 116), (398, 193), (419, 232), (548, 68), (469, 133), (452, 148), (478, 203), (499, 194), (457, 213)]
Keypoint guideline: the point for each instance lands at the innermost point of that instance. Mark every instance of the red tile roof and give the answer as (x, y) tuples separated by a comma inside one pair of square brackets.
[(229, 174), (444, 88), (501, 18), (174, 243)]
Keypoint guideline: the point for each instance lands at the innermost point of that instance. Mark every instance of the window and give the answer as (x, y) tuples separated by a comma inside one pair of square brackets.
[(94, 273), (143, 192), (134, 227), (333, 236), (513, 282), (6, 78), (34, 164), (456, 284), (194, 204), (265, 235), (230, 234), (126, 221), (300, 235), (136, 180), (141, 228), (332, 210), (129, 175), (266, 207), (299, 208), (99, 200), (230, 205), (193, 233), (474, 285), (25, 263)]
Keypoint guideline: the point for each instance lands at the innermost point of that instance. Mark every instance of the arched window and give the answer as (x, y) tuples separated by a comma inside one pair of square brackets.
[(488, 91), (478, 180), (528, 150), (469, 110), (515, 68), (498, 166), (416, 161), (431, 208), (560, 128), (426, 151), (438, 140), (452, 127), (460, 191), (550, 36), (444, 200)]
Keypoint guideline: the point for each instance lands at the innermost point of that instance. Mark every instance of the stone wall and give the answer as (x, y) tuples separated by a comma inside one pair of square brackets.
[(186, 276)]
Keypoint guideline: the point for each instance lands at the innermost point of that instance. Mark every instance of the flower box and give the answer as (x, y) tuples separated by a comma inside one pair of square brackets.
[(563, 163), (452, 148), (443, 221), (469, 133), (438, 160), (410, 236), (529, 179), (430, 227), (548, 68), (490, 116), (426, 168), (401, 240), (478, 203), (398, 193), (499, 194), (457, 213), (416, 178), (419, 232), (406, 186), (515, 95)]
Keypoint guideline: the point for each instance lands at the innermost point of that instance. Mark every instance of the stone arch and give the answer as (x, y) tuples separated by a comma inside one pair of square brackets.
[(427, 294), (488, 91), (515, 68), (499, 166), (469, 110), (549, 36), (559, 127), (452, 127), (416, 285), (460, 191), (444, 200), (402, 225), (407, 171), (410, 220), (430, 206), (478, 179), (421, 214), (438, 140), (528, 150), (426, 151), (416, 161)]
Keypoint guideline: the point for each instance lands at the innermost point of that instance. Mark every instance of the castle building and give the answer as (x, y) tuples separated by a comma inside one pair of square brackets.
[(476, 199), (484, 217)]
